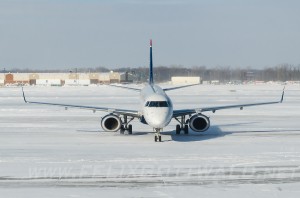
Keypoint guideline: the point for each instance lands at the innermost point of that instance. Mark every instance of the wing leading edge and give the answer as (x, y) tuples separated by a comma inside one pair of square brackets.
[(182, 112), (132, 113)]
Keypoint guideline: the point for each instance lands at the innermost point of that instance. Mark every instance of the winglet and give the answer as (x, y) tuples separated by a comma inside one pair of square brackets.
[(24, 96), (282, 95)]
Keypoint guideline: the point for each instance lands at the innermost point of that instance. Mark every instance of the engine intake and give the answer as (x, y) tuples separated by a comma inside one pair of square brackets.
[(199, 123), (111, 123)]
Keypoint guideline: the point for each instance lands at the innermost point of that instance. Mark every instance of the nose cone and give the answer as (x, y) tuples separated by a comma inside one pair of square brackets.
[(158, 117)]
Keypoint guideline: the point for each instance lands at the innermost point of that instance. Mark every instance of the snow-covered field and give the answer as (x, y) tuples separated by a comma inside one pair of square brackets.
[(46, 151)]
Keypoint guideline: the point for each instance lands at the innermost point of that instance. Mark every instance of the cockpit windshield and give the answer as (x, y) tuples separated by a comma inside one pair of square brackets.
[(157, 104)]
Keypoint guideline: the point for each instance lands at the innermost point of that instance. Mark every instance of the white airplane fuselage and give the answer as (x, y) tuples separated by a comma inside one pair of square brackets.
[(156, 106)]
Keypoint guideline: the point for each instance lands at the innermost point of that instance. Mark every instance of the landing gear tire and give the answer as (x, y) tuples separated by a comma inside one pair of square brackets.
[(157, 138), (178, 129), (122, 129), (129, 129), (186, 129), (183, 126), (125, 125)]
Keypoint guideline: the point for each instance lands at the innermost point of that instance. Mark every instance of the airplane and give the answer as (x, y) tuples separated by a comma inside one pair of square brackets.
[(156, 110)]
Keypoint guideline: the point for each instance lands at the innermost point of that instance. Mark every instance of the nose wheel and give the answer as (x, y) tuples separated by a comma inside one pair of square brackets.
[(157, 137)]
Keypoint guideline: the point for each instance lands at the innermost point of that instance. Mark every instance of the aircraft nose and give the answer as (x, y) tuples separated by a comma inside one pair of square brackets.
[(158, 119)]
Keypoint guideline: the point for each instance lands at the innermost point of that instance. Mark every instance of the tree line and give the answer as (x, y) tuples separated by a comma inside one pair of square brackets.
[(283, 72)]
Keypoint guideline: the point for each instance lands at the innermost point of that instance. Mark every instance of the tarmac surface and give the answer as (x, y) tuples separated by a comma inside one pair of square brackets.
[(47, 151)]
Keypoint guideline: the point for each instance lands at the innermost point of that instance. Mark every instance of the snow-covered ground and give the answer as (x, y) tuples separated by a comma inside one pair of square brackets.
[(46, 151)]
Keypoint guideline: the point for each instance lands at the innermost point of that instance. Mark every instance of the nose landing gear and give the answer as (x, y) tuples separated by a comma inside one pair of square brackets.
[(157, 137)]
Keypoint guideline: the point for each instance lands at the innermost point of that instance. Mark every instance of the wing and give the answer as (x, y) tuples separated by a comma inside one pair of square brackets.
[(179, 87), (132, 113), (183, 112)]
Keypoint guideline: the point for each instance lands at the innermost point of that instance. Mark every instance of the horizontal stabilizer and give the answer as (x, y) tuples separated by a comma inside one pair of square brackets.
[(130, 88), (180, 87)]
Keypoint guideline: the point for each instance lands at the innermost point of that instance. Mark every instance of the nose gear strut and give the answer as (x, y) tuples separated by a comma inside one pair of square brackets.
[(157, 137)]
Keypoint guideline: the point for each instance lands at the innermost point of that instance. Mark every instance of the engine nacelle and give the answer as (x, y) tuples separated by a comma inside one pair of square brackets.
[(111, 123), (199, 123)]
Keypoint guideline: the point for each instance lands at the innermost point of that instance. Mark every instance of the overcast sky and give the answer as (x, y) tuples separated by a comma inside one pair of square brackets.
[(54, 34)]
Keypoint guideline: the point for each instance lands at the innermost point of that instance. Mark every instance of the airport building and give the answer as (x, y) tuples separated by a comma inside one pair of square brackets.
[(185, 80), (60, 79), (1, 82), (127, 77)]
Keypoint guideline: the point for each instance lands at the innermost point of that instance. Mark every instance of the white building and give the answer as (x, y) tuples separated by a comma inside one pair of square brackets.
[(185, 80), (48, 82), (2, 77), (74, 82), (104, 78)]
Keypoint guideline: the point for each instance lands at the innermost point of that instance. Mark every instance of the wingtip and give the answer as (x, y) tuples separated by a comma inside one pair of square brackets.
[(24, 98), (282, 96)]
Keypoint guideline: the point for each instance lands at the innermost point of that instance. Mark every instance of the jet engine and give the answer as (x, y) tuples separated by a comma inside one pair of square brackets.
[(199, 123), (111, 123)]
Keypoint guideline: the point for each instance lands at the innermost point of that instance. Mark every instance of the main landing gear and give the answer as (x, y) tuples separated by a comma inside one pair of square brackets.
[(182, 126), (126, 126), (157, 137)]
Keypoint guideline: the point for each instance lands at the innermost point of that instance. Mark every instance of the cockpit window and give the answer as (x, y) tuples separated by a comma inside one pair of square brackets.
[(157, 104)]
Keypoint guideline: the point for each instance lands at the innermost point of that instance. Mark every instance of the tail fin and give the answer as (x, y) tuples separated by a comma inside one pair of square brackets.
[(151, 65)]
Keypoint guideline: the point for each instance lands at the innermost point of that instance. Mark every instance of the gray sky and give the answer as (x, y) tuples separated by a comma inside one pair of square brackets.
[(114, 33)]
